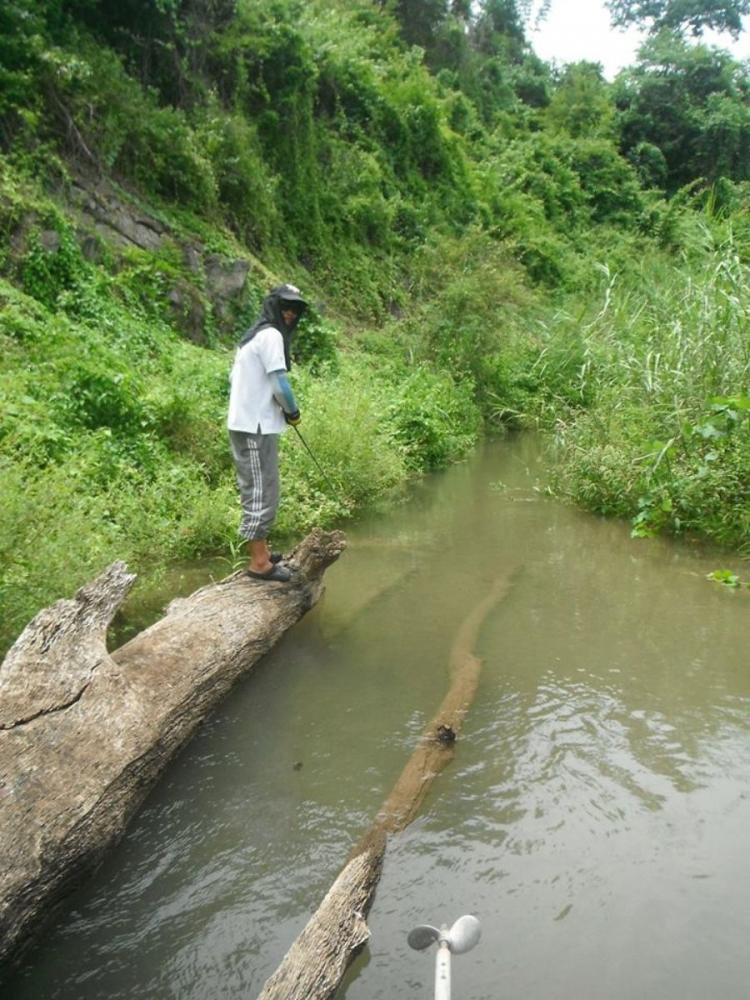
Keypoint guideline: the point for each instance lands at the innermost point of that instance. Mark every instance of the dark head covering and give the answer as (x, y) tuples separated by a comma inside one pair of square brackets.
[(284, 296)]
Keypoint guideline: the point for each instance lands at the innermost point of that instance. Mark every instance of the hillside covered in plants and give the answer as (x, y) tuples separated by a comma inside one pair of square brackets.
[(490, 242)]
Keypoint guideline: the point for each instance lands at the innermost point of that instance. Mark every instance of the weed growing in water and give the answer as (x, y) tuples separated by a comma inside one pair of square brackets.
[(727, 579)]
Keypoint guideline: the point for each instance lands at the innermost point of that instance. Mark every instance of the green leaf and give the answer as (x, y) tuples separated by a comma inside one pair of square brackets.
[(709, 433), (725, 577)]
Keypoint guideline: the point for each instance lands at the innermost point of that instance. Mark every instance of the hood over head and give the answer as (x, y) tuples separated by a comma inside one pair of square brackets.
[(288, 296)]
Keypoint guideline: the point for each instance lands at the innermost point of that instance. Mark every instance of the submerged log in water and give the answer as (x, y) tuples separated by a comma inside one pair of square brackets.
[(84, 734), (315, 964)]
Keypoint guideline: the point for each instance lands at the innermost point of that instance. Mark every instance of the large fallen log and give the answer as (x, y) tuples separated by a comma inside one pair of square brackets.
[(84, 734), (313, 967)]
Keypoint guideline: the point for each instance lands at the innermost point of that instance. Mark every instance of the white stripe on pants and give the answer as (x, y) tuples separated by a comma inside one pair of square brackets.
[(256, 459)]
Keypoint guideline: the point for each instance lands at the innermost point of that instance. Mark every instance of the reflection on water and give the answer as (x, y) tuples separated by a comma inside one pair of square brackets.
[(595, 815)]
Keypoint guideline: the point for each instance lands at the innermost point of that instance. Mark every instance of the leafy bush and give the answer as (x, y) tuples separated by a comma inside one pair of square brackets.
[(246, 187), (106, 111), (435, 419), (48, 272), (316, 343), (465, 315), (346, 424)]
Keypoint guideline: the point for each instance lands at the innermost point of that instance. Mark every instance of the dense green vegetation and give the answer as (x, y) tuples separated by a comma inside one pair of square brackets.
[(498, 243)]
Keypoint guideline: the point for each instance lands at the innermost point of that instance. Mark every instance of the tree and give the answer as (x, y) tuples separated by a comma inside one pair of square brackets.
[(581, 104), (694, 16), (165, 43), (498, 27), (691, 103), (21, 25), (420, 20)]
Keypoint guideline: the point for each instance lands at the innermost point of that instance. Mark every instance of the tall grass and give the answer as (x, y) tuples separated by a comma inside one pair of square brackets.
[(665, 439)]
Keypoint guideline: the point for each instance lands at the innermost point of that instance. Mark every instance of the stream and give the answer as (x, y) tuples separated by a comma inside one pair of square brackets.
[(595, 817)]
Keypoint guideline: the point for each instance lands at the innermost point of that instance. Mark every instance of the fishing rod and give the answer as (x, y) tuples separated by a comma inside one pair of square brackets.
[(461, 937), (320, 469)]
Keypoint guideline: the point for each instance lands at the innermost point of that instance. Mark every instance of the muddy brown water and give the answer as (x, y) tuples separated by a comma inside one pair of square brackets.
[(595, 816)]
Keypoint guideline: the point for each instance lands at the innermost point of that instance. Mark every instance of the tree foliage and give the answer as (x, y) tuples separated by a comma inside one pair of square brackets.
[(421, 20), (690, 102), (693, 16), (582, 102)]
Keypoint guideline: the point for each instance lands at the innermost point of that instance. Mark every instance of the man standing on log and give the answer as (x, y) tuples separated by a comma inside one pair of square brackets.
[(261, 404)]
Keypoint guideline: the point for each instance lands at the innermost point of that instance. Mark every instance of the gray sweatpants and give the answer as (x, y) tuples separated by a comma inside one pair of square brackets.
[(256, 458)]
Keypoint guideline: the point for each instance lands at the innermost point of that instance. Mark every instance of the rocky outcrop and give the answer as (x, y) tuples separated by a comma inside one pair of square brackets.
[(85, 734), (214, 285), (225, 284), (188, 310), (117, 220), (205, 292)]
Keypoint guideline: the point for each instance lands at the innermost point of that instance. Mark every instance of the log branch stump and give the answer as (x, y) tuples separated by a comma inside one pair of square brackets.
[(84, 735)]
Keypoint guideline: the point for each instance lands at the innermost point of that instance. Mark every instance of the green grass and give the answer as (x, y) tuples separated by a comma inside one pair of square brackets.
[(665, 437)]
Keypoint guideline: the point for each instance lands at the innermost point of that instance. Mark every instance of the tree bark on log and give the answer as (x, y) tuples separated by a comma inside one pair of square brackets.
[(313, 967), (84, 735)]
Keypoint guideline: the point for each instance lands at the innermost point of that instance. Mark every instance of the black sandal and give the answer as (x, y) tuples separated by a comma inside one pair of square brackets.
[(277, 572)]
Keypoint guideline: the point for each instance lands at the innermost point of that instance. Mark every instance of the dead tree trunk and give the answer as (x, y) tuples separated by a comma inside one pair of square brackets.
[(84, 734), (315, 964)]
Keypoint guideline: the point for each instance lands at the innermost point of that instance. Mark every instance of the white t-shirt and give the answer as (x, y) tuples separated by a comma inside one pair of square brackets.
[(252, 406)]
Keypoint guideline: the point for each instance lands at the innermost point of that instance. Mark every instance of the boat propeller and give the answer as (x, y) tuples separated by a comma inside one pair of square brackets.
[(460, 938)]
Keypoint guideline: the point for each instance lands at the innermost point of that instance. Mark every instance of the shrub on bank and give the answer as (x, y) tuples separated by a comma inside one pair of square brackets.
[(434, 418)]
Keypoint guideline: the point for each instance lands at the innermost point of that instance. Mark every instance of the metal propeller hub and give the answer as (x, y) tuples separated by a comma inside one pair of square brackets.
[(460, 938)]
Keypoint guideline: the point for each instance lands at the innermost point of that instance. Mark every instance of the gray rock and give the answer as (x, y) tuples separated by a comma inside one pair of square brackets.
[(91, 249), (193, 259), (115, 218), (226, 280), (226, 277), (142, 232), (188, 311), (50, 240)]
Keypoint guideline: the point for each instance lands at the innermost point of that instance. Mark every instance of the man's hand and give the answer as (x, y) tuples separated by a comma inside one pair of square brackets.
[(293, 418)]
